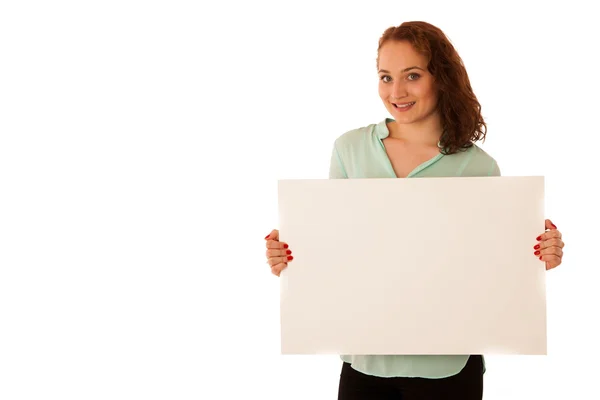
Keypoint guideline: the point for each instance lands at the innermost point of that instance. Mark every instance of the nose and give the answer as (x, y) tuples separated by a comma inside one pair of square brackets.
[(399, 89)]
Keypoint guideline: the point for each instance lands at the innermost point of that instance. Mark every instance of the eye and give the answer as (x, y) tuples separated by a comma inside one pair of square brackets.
[(416, 76), (386, 78)]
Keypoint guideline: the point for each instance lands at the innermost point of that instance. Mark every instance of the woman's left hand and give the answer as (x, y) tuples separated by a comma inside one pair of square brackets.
[(550, 246)]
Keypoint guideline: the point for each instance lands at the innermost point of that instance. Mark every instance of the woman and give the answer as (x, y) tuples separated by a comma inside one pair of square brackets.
[(437, 120)]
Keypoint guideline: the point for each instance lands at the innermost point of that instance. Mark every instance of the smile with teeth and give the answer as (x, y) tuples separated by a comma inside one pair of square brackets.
[(403, 105)]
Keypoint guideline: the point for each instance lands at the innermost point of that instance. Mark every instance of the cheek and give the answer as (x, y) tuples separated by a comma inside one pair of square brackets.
[(422, 87), (433, 99), (382, 91), (425, 92), (431, 92)]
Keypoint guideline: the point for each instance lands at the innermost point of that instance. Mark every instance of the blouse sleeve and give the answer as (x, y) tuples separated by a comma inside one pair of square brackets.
[(336, 168), (494, 169)]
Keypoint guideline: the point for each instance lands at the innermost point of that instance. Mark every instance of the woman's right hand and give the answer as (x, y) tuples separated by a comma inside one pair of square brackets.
[(278, 253)]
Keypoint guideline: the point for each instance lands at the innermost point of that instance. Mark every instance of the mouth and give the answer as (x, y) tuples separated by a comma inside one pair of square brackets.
[(403, 106)]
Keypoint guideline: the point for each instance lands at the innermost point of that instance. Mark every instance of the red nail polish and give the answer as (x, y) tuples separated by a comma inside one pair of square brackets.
[(285, 246), (537, 246), (266, 237), (288, 252), (538, 238), (536, 253), (290, 258), (554, 226), (540, 257)]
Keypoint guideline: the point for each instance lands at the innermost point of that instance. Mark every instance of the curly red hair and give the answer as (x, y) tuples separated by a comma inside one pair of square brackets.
[(459, 108)]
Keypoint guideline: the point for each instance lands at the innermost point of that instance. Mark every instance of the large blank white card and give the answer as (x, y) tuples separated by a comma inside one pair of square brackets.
[(413, 266)]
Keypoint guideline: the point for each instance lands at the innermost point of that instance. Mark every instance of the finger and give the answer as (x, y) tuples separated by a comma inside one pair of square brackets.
[(549, 243), (274, 235), (276, 270), (272, 261), (552, 265), (279, 260), (274, 244), (551, 261), (549, 224), (557, 251), (555, 233), (551, 258), (278, 252)]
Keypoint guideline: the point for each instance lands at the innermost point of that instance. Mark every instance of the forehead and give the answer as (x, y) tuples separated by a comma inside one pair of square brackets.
[(395, 55)]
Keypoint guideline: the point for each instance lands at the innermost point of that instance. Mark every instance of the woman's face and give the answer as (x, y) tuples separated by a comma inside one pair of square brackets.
[(406, 87)]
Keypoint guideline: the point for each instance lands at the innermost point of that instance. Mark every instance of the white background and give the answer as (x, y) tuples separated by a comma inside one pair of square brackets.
[(140, 148)]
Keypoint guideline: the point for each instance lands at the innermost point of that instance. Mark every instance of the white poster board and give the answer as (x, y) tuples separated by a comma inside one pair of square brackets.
[(413, 266)]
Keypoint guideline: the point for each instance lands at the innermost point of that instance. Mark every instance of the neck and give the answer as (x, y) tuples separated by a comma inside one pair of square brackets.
[(423, 133)]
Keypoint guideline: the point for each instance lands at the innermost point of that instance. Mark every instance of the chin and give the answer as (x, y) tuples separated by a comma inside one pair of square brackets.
[(403, 118)]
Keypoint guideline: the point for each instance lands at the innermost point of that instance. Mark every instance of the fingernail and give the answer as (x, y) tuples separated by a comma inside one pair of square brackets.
[(538, 238), (285, 246), (540, 257), (266, 237), (536, 253), (288, 252), (554, 226), (290, 258), (537, 246)]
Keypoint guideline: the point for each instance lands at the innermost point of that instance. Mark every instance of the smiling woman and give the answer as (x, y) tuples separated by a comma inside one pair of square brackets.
[(436, 121), (418, 64)]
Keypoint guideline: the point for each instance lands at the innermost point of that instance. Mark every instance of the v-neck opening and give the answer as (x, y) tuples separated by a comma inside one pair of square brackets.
[(415, 170)]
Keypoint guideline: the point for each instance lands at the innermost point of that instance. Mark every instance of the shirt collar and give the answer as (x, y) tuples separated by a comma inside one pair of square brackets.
[(382, 130)]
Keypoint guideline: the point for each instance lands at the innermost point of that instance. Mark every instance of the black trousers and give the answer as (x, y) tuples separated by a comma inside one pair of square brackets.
[(466, 385)]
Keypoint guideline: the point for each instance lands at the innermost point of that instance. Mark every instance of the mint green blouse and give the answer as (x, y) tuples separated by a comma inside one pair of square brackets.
[(359, 154)]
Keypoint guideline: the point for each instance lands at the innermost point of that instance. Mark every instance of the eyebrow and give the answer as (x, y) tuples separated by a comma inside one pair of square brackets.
[(403, 71)]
